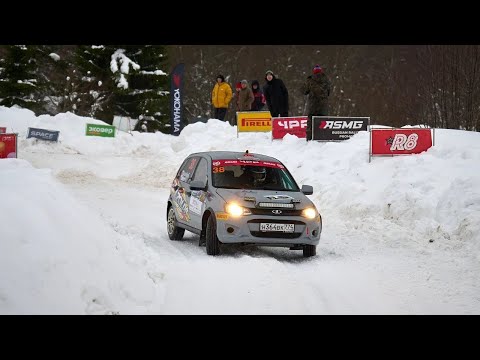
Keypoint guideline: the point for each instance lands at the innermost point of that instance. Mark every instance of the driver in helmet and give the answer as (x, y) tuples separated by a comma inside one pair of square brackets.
[(259, 174)]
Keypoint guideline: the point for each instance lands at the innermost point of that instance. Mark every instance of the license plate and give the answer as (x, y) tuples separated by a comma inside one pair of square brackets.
[(289, 228)]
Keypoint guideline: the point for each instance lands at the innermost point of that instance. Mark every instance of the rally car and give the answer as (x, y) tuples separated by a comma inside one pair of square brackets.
[(243, 198)]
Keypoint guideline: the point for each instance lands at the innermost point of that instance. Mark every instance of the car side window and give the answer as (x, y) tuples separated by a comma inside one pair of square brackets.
[(186, 171), (201, 172)]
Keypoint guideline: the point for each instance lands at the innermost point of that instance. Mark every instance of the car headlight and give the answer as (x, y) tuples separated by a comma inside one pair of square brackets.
[(236, 210), (309, 213)]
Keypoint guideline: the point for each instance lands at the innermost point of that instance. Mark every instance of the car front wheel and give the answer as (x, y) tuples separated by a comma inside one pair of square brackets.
[(212, 243), (174, 232), (309, 250)]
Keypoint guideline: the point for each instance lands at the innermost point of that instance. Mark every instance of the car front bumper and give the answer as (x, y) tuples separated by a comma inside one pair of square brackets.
[(246, 230)]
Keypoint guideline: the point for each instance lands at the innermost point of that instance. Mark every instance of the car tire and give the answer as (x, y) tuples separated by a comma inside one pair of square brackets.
[(212, 243), (174, 232), (309, 250)]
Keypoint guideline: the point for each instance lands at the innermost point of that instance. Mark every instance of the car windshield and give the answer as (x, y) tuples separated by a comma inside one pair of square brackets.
[(274, 176)]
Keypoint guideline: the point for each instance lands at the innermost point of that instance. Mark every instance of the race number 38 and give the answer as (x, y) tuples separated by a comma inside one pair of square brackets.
[(402, 142)]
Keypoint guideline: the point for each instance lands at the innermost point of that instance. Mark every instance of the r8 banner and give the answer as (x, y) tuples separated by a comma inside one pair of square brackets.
[(400, 141), (282, 126)]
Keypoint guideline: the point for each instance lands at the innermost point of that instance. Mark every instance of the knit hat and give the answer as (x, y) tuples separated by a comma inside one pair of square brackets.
[(221, 77), (269, 72), (244, 82), (317, 69), (238, 85)]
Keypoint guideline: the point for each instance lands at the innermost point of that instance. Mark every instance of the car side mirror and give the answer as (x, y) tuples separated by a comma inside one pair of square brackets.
[(198, 185), (307, 189)]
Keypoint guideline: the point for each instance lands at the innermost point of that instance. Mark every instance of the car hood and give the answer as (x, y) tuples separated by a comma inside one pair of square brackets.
[(249, 198)]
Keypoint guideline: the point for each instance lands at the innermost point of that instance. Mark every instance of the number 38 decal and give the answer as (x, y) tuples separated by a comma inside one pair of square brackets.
[(218, 169)]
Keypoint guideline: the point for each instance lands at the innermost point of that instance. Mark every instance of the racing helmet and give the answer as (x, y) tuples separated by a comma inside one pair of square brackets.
[(259, 173)]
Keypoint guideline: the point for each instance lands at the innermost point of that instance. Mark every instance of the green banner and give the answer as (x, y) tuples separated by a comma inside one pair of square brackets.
[(100, 130)]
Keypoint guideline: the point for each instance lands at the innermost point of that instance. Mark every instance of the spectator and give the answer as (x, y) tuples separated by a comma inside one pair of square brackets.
[(221, 97), (245, 98), (317, 87), (276, 95), (238, 87), (259, 101)]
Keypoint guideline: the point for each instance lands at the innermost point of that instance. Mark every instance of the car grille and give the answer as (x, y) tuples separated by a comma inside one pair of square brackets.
[(284, 212), (275, 235)]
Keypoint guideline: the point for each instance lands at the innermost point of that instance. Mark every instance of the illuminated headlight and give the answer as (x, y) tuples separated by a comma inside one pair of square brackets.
[(236, 210), (309, 213)]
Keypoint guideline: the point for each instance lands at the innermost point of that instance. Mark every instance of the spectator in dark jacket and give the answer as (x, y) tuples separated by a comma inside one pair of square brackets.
[(259, 101), (317, 87), (276, 95)]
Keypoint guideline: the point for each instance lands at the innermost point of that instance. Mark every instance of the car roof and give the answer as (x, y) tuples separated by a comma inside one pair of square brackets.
[(230, 155)]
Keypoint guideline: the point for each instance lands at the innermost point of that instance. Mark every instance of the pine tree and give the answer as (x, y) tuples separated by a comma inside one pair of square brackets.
[(90, 90), (19, 80), (142, 86), (53, 63), (125, 80)]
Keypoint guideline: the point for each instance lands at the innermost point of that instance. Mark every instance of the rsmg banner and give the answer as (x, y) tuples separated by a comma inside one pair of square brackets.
[(8, 146), (254, 121), (282, 126), (392, 141), (337, 128), (43, 134)]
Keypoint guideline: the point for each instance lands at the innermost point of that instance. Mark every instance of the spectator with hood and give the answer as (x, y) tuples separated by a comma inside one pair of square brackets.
[(238, 87), (259, 101), (221, 97), (317, 87), (276, 95), (245, 97)]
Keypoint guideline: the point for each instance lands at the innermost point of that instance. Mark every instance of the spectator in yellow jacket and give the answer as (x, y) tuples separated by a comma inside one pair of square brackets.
[(221, 97)]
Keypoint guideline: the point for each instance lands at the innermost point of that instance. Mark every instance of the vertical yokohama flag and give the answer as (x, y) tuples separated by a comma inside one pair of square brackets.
[(176, 99)]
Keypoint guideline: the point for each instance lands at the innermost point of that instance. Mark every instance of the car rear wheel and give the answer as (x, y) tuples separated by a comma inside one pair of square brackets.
[(309, 250), (212, 243), (174, 232)]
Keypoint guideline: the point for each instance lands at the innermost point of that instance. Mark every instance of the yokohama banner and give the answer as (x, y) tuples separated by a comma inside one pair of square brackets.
[(336, 128), (176, 99), (400, 141), (8, 146), (282, 126)]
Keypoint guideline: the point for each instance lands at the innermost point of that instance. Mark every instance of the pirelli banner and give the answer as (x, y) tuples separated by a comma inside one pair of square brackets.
[(393, 141), (282, 126), (254, 121), (337, 128)]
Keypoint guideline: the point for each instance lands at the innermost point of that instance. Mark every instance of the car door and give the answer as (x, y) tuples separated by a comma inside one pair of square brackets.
[(181, 188), (196, 198)]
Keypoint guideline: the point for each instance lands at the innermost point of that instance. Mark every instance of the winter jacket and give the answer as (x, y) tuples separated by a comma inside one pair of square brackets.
[(318, 88), (276, 95), (245, 99), (259, 101), (221, 95)]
